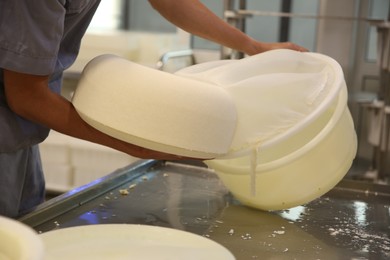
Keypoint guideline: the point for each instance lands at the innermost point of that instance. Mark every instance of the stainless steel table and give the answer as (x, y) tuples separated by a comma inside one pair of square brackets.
[(352, 221)]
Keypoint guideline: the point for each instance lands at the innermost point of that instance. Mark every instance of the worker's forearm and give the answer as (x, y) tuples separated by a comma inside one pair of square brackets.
[(193, 17)]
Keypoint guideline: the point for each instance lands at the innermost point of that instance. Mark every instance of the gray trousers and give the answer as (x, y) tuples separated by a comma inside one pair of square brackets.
[(22, 184)]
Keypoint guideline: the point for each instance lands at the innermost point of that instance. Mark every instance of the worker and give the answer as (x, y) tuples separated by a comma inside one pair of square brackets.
[(38, 41)]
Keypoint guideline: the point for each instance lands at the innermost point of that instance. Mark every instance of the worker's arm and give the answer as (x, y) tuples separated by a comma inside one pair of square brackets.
[(30, 97), (195, 18)]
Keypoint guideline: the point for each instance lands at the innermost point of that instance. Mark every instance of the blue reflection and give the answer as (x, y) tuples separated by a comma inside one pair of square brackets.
[(84, 187), (90, 217)]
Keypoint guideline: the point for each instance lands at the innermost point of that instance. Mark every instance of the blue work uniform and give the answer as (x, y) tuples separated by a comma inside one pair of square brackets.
[(40, 37)]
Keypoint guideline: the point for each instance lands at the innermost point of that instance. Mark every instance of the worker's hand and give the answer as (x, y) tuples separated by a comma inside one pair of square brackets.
[(256, 47), (284, 45)]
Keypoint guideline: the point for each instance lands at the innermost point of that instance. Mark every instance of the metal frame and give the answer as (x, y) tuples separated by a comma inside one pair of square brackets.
[(175, 55)]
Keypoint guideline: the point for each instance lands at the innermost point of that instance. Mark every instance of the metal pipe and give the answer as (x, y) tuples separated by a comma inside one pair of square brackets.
[(228, 4), (242, 6), (307, 16), (173, 55), (388, 16), (125, 17), (237, 21), (284, 27)]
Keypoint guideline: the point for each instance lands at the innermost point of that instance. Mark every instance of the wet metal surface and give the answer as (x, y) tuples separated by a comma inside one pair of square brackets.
[(350, 222)]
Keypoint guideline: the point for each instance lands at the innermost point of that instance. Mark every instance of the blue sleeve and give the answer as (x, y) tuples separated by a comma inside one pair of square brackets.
[(30, 34)]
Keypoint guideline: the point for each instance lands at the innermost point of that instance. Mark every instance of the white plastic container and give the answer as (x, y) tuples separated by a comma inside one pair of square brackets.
[(299, 176), (277, 94)]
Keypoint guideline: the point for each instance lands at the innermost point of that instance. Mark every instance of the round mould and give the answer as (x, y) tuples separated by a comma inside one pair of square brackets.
[(301, 175)]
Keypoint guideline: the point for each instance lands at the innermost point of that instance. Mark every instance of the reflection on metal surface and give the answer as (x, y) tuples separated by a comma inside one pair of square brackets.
[(173, 202), (294, 214), (350, 222), (265, 235), (360, 213)]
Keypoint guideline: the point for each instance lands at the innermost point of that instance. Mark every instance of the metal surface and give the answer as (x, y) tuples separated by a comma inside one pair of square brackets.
[(350, 222)]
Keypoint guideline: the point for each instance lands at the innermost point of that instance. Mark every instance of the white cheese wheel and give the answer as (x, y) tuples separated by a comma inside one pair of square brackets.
[(155, 109), (19, 241)]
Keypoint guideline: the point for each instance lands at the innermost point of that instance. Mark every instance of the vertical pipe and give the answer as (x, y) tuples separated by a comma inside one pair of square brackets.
[(125, 19), (388, 15), (241, 24), (228, 5), (284, 28), (242, 6)]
